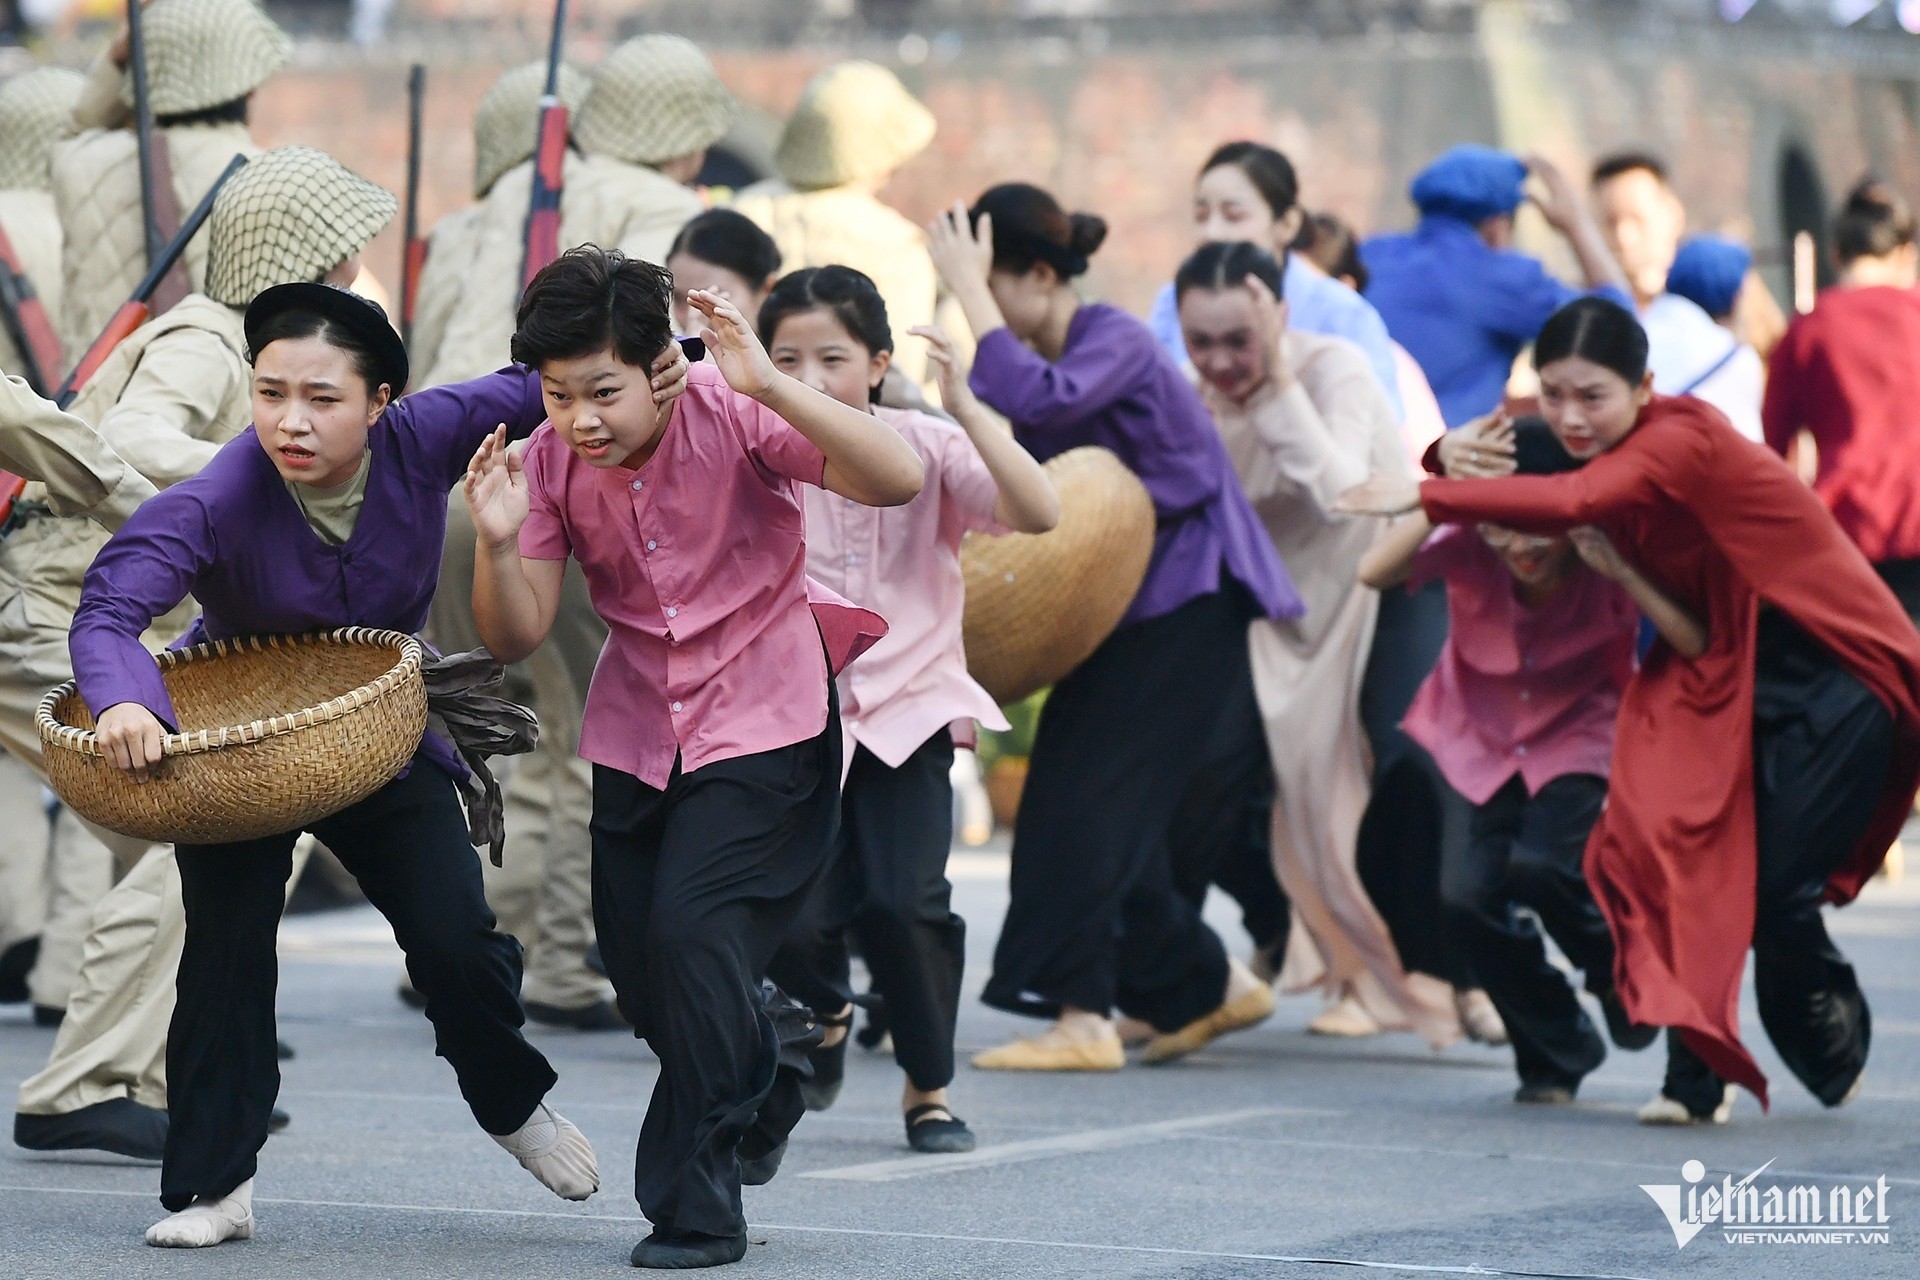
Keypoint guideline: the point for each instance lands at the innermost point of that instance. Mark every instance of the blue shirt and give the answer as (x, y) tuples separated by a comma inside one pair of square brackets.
[(1315, 304), (1462, 309)]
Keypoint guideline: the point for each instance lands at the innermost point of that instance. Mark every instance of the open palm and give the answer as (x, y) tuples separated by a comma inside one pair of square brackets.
[(496, 488), (732, 343)]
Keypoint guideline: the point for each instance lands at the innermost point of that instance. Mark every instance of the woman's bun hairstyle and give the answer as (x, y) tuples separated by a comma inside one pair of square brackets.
[(1875, 221), (1595, 329), (1030, 227)]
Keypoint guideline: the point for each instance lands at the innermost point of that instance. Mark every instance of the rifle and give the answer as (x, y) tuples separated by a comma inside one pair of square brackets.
[(143, 127), (133, 312), (25, 318), (550, 154), (414, 254)]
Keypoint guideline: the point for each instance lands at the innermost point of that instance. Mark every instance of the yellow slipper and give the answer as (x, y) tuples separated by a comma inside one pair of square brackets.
[(1054, 1052), (1348, 1019), (1248, 1009)]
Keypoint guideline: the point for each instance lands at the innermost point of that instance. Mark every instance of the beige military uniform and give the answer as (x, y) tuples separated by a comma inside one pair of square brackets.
[(32, 224), (450, 249)]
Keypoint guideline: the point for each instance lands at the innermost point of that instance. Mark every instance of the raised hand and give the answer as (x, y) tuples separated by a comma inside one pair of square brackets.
[(1481, 450), (948, 365), (962, 253), (496, 490), (734, 346), (669, 374), (1379, 496), (1558, 200), (1597, 549)]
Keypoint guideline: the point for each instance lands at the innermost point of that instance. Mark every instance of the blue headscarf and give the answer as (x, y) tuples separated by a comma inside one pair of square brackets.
[(1470, 182), (1708, 271)]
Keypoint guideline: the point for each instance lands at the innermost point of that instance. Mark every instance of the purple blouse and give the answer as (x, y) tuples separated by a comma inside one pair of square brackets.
[(234, 539), (1114, 387)]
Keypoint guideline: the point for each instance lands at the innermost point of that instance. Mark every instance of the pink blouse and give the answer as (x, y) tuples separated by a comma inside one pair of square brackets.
[(904, 563), (1516, 689), (697, 563)]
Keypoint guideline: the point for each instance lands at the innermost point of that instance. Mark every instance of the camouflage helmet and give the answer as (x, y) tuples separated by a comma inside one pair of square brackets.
[(654, 98), (201, 53), (855, 120), (36, 111), (291, 214), (506, 125)]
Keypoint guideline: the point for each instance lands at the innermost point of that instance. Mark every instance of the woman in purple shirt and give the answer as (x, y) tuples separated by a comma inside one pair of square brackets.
[(329, 511), (1164, 705)]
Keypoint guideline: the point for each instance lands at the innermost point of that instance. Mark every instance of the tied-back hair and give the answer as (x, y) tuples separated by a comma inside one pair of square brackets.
[(1537, 451), (1595, 329), (1030, 227), (296, 323), (1331, 245), (1875, 221), (729, 239), (1227, 264), (848, 295), (1270, 172), (591, 299)]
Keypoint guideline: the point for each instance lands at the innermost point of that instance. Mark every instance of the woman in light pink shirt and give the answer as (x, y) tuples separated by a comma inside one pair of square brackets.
[(899, 703), (710, 719), (1519, 713)]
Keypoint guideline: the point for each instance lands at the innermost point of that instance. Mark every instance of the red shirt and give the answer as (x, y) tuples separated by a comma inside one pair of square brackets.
[(1849, 372), (697, 563), (1721, 525), (1519, 690)]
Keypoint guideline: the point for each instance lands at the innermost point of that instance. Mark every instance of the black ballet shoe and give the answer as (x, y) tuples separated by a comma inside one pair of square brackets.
[(283, 1050), (933, 1129), (278, 1121), (16, 962), (119, 1125), (829, 1063), (410, 996), (1546, 1093), (48, 1015), (598, 1016), (1621, 1029), (758, 1170), (876, 1034), (683, 1250)]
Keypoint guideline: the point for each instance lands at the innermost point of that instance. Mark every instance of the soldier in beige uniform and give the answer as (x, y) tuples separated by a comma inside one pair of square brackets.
[(654, 108), (205, 57), (855, 125), (36, 110), (171, 395)]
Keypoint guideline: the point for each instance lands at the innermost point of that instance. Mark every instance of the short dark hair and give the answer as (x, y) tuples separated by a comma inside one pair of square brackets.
[(1875, 220), (1270, 172), (592, 299), (1612, 166), (1330, 243), (1537, 451), (1223, 265), (1030, 227), (1598, 330), (850, 296), (299, 323), (728, 238)]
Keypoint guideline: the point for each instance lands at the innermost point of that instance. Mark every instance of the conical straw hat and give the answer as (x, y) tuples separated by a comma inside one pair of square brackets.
[(855, 120), (201, 53), (36, 111), (506, 125), (292, 214), (654, 98), (1039, 604)]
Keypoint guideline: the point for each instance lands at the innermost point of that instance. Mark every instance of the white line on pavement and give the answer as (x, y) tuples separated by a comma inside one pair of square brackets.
[(1066, 1144)]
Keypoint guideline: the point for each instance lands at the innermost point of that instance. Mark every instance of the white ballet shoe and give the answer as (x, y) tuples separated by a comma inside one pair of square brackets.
[(1662, 1110), (208, 1221), (549, 1147)]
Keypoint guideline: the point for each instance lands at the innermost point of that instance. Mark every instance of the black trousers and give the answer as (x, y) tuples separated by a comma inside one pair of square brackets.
[(1525, 851), (1822, 746), (1903, 577), (1413, 815), (693, 888), (1233, 817), (407, 845), (1095, 920), (887, 884)]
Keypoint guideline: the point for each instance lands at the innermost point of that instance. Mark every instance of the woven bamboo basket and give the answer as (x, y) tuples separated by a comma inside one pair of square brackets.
[(1039, 604), (245, 764)]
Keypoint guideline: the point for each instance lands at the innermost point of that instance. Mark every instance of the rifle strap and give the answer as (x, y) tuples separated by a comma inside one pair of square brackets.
[(166, 211)]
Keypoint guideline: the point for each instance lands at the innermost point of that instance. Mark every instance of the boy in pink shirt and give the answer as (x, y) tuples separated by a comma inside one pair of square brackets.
[(710, 719), (1518, 713), (887, 884)]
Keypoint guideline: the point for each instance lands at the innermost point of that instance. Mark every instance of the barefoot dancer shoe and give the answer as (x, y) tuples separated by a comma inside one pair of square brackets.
[(1054, 1051)]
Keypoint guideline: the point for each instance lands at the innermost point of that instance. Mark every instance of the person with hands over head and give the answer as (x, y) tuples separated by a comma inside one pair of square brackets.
[(1302, 418), (1519, 714), (1164, 707), (711, 720), (901, 703), (1802, 710)]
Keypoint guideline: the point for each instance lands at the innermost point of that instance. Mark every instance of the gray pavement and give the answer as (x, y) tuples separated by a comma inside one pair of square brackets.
[(1273, 1153)]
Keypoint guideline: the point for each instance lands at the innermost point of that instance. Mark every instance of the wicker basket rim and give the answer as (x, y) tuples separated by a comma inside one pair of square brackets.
[(86, 742)]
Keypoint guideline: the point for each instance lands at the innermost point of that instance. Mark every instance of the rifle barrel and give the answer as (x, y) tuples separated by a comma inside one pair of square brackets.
[(410, 233), (143, 126)]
